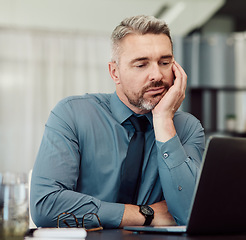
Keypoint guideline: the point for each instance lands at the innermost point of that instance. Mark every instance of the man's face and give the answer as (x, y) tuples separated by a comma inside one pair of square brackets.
[(144, 72)]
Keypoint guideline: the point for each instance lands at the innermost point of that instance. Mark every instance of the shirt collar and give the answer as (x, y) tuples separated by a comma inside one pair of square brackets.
[(121, 112)]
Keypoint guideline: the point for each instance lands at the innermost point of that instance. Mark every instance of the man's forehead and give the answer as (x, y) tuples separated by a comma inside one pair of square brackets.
[(150, 46)]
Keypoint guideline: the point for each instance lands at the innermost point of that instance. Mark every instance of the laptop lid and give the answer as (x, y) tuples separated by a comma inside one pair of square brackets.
[(220, 196), (219, 201)]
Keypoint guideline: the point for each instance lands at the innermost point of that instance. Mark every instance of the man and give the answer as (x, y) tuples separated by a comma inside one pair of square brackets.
[(80, 164)]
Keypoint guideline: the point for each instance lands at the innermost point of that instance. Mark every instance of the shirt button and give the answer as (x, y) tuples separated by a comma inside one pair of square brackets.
[(180, 188), (165, 155)]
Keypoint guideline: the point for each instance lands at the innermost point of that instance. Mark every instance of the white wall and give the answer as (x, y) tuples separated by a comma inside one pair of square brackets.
[(103, 15)]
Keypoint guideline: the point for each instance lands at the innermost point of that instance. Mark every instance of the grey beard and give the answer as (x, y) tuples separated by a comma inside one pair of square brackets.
[(143, 104)]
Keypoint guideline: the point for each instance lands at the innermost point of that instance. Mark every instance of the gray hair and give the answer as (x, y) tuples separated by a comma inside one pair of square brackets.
[(136, 25)]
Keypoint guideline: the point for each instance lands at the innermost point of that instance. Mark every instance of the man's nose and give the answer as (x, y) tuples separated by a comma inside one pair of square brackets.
[(155, 73)]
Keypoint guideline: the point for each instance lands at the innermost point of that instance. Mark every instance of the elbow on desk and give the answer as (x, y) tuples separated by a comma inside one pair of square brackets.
[(41, 217), (42, 198)]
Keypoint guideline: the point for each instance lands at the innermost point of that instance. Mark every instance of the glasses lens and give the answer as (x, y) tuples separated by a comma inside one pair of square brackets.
[(67, 220), (91, 222)]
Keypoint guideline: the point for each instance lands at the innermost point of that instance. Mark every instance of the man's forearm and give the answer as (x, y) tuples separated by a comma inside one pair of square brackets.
[(132, 216), (164, 129)]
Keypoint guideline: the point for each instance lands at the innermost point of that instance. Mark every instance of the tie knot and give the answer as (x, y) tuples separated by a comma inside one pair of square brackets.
[(139, 123)]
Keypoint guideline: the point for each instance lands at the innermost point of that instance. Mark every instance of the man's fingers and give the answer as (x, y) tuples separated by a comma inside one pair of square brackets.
[(180, 75)]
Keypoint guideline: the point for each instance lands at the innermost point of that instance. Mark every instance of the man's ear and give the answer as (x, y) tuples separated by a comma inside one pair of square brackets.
[(114, 72)]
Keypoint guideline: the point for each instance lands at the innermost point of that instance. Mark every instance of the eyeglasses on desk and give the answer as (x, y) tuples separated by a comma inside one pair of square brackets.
[(67, 214)]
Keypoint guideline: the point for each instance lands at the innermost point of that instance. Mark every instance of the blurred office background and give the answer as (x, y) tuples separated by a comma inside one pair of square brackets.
[(50, 49)]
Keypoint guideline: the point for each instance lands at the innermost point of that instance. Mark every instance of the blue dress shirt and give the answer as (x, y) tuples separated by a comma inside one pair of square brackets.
[(79, 162)]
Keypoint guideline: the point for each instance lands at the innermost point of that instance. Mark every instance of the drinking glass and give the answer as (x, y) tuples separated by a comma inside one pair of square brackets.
[(14, 206)]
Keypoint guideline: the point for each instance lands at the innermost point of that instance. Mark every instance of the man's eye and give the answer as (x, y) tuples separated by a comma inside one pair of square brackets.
[(140, 65), (165, 63)]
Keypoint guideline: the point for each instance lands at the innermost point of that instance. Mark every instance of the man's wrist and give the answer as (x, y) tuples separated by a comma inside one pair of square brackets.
[(164, 129), (148, 213), (132, 216)]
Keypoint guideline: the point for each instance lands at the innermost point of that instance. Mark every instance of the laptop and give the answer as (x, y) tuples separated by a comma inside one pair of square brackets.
[(219, 201)]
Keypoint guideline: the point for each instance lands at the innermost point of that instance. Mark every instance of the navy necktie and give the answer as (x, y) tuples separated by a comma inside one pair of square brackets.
[(132, 167)]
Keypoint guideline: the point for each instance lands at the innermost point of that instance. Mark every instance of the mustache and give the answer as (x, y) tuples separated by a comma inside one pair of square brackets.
[(156, 84)]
